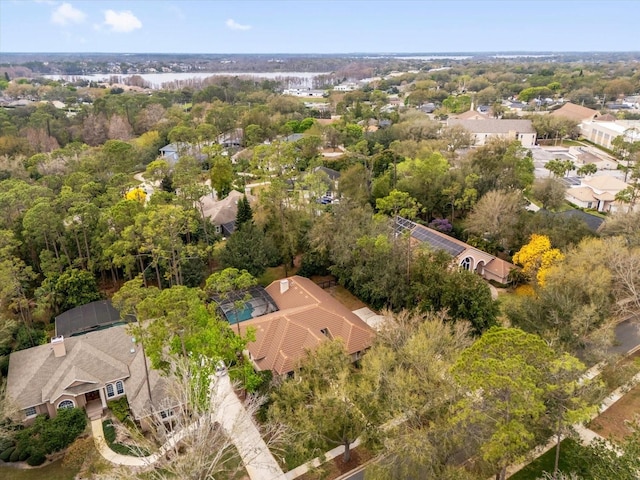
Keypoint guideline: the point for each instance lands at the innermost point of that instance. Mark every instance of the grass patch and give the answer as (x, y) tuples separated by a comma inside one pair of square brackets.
[(272, 274), (52, 471), (544, 463)]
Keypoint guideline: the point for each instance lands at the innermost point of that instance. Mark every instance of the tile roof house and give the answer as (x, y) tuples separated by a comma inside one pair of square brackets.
[(597, 192), (470, 258), (471, 115), (85, 371), (574, 112), (306, 317), (485, 129)]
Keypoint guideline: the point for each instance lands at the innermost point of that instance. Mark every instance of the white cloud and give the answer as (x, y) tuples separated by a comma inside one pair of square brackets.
[(66, 14), (233, 25), (124, 21)]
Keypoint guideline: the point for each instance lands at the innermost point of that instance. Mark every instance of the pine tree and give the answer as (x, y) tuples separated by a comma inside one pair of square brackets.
[(245, 214)]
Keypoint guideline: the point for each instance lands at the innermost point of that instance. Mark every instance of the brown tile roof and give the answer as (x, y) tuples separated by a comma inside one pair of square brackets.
[(282, 337), (472, 115), (575, 112)]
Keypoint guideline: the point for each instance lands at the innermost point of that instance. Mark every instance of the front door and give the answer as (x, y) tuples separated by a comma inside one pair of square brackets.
[(92, 395)]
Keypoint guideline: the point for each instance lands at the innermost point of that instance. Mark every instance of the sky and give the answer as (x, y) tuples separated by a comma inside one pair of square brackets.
[(329, 26)]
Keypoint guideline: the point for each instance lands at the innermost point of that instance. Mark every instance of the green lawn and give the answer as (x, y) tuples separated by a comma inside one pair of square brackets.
[(53, 471), (544, 463)]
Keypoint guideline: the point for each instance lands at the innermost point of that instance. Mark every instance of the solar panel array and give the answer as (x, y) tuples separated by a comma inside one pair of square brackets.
[(571, 181), (436, 241)]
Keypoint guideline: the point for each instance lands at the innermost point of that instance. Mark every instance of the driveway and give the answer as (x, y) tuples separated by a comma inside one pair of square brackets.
[(627, 335)]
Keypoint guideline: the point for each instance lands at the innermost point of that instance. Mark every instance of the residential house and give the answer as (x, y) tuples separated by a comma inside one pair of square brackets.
[(471, 115), (306, 317), (465, 256), (597, 192), (222, 213), (574, 112), (346, 87), (485, 129), (173, 151), (304, 92), (87, 371)]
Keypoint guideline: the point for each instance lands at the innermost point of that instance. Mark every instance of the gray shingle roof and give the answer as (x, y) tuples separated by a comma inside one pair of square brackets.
[(92, 360)]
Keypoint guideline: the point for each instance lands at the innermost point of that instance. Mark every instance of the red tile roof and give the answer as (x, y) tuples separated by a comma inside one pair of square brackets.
[(306, 310)]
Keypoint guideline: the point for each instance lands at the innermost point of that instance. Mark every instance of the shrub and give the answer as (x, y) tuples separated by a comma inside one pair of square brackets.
[(15, 455), (110, 437), (63, 429), (6, 454), (24, 454), (37, 458), (120, 408), (109, 431)]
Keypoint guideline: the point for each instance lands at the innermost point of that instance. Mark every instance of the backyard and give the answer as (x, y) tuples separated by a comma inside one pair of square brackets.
[(52, 471)]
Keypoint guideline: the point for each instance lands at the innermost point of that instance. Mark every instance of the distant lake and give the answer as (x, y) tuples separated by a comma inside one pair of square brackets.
[(303, 79)]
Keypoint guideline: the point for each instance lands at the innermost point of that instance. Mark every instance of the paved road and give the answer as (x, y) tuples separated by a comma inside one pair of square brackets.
[(627, 335), (356, 476)]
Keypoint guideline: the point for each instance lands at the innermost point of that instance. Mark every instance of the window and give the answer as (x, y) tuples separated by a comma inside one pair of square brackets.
[(166, 414), (466, 263), (66, 404), (114, 389), (30, 412)]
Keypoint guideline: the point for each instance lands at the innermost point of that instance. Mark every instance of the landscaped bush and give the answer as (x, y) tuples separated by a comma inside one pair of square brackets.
[(15, 455), (109, 431), (46, 436), (110, 437), (63, 429), (120, 408), (24, 454), (37, 458), (6, 454)]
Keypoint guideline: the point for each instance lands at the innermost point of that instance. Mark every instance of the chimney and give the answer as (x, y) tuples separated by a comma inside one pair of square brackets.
[(58, 346), (284, 286)]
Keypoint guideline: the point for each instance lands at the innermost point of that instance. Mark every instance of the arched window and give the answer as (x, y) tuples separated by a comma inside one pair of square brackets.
[(110, 392), (66, 404), (119, 387), (466, 263)]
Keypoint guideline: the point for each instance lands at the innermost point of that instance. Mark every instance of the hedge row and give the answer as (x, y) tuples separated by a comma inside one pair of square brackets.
[(45, 436)]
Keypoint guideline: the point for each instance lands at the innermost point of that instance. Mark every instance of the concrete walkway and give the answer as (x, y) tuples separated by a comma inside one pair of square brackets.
[(234, 419)]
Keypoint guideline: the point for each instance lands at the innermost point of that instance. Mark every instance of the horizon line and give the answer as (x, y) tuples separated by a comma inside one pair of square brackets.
[(548, 52)]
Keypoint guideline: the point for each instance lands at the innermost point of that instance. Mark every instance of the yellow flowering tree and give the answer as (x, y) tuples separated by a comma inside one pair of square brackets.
[(137, 194), (537, 257)]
